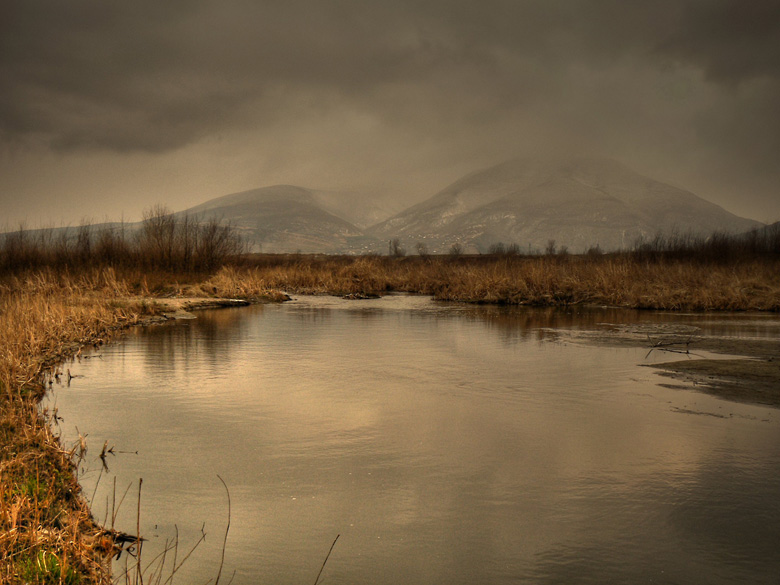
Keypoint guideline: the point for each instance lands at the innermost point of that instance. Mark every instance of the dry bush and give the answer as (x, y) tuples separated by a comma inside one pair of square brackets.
[(164, 240)]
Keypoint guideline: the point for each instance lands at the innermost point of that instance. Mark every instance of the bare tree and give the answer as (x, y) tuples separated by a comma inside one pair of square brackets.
[(395, 249)]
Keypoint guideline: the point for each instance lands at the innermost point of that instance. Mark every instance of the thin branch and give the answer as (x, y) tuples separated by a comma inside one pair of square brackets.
[(317, 580), (227, 529)]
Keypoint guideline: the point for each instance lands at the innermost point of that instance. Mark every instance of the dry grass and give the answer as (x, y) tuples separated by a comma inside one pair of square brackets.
[(614, 280), (47, 534), (620, 282)]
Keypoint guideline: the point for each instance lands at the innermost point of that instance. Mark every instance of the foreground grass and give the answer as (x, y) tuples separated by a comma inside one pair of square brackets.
[(47, 534), (46, 530)]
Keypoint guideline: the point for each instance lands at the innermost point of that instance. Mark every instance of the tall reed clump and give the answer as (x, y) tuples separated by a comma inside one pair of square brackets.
[(162, 240), (231, 282), (47, 534)]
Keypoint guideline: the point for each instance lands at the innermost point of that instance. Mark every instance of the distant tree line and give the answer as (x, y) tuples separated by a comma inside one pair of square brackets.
[(164, 240), (717, 247)]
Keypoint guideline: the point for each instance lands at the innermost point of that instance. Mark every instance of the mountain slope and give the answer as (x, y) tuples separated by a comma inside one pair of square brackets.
[(579, 202), (284, 218)]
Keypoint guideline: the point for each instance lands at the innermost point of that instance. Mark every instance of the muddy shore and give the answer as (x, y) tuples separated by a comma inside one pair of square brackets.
[(182, 307), (749, 370)]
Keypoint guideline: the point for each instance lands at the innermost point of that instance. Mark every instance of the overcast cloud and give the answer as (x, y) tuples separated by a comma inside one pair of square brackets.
[(109, 107)]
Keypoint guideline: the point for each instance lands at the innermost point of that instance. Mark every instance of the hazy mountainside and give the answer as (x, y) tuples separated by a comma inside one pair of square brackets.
[(279, 218), (359, 210), (283, 218), (771, 230), (579, 203)]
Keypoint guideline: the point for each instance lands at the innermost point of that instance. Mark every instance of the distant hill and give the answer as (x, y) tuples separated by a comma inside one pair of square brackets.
[(578, 202), (284, 218), (768, 231), (280, 218)]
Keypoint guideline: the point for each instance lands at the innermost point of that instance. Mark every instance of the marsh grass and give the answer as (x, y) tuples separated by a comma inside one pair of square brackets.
[(47, 534), (619, 280)]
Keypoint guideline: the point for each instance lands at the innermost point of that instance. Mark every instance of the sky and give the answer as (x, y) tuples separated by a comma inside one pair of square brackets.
[(108, 108)]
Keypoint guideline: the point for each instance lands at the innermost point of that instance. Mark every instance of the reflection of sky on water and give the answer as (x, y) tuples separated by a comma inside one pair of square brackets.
[(444, 443)]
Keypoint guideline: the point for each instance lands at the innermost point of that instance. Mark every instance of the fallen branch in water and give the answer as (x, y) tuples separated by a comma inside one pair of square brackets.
[(227, 529), (317, 580)]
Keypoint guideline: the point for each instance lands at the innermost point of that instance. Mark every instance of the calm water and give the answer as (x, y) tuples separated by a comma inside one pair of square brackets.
[(445, 444)]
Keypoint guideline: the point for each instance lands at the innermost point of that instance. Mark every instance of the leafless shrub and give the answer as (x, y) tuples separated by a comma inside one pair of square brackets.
[(164, 240), (394, 248)]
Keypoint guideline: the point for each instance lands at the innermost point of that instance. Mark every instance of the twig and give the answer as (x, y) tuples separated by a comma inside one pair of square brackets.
[(115, 512), (139, 576), (227, 529), (177, 567), (175, 550), (97, 484), (317, 580), (113, 504)]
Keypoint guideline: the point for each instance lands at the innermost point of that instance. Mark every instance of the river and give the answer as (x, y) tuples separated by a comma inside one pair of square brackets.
[(442, 443)]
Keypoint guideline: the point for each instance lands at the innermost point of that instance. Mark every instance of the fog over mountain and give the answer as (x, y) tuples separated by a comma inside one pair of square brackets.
[(579, 202), (284, 218), (108, 108)]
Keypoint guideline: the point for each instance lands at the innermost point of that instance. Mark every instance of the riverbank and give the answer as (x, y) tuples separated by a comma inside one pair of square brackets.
[(47, 533), (753, 376)]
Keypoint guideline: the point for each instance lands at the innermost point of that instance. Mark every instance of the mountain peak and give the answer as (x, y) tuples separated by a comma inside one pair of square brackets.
[(580, 201)]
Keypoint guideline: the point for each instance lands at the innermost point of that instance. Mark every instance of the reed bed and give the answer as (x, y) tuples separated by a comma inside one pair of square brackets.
[(620, 280), (47, 534)]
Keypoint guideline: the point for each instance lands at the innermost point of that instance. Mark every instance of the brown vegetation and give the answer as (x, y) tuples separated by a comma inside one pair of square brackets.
[(46, 531), (622, 280), (163, 241)]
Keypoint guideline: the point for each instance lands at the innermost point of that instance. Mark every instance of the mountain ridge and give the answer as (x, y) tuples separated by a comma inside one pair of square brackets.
[(580, 202)]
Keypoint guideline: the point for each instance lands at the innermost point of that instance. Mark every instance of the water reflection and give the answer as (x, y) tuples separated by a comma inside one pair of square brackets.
[(445, 443)]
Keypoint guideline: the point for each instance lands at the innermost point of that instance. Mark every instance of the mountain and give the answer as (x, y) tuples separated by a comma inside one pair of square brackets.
[(284, 218), (280, 218), (578, 202)]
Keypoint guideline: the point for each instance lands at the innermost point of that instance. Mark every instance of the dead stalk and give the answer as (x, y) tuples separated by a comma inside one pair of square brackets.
[(227, 529), (317, 580)]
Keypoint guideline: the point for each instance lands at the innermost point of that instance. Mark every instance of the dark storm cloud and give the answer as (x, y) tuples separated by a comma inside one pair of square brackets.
[(731, 41), (157, 75), (154, 76), (669, 81)]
